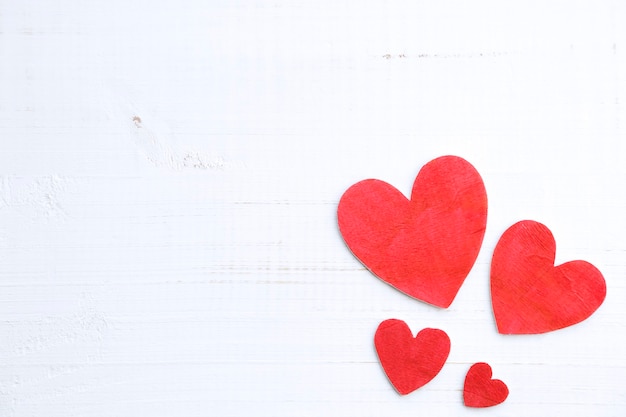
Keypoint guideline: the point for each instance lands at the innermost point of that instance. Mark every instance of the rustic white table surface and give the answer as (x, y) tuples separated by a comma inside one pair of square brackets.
[(169, 179)]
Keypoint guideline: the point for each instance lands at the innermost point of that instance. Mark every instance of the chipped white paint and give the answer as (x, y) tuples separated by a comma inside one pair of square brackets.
[(169, 175)]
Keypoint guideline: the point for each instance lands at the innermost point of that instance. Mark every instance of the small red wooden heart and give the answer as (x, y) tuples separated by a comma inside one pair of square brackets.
[(410, 362), (529, 294), (426, 246), (482, 391)]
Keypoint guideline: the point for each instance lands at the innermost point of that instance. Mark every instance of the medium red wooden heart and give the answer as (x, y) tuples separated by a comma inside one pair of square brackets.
[(482, 391), (529, 294), (426, 246), (410, 362)]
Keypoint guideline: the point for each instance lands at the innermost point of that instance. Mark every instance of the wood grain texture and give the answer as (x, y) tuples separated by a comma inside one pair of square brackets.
[(169, 180)]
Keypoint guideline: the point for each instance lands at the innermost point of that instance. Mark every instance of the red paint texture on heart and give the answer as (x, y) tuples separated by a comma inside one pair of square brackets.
[(410, 362), (529, 294), (482, 391), (425, 246)]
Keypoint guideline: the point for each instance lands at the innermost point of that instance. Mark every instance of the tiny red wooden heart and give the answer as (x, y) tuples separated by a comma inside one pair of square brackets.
[(482, 391), (529, 294), (426, 246), (410, 362)]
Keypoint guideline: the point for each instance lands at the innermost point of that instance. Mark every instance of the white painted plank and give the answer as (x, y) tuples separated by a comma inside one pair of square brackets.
[(169, 177)]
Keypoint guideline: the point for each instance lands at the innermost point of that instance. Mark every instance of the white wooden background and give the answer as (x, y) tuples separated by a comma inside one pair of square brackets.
[(169, 177)]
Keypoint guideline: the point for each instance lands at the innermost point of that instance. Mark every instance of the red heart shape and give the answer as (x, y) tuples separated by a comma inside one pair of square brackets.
[(426, 246), (410, 362), (529, 294), (482, 391)]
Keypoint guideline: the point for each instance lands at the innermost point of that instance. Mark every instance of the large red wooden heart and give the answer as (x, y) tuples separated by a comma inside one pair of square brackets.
[(410, 362), (426, 246), (482, 391), (529, 294)]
